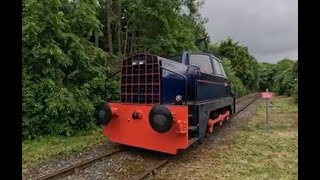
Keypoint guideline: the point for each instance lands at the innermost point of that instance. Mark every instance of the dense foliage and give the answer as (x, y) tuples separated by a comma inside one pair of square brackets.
[(69, 48), (63, 73), (164, 27), (281, 77)]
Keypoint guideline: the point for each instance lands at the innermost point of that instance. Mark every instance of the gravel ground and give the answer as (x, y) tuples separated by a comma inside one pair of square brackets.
[(195, 163), (63, 162), (124, 165), (127, 164)]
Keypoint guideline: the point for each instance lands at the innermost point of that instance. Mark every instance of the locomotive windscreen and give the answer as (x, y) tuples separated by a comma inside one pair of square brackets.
[(140, 79)]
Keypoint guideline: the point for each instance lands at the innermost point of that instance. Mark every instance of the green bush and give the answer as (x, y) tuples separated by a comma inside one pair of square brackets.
[(285, 78), (63, 73), (282, 77)]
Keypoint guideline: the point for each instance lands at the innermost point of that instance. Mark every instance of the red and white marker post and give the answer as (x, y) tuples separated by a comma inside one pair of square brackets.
[(267, 95)]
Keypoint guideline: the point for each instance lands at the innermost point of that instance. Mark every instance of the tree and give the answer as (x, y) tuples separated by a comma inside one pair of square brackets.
[(267, 72), (63, 72), (285, 76), (242, 62), (162, 27)]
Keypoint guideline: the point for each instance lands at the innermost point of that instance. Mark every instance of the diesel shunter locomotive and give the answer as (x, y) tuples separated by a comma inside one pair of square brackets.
[(166, 104)]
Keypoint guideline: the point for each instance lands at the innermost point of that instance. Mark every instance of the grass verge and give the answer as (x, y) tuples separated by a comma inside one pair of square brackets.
[(43, 149), (254, 153)]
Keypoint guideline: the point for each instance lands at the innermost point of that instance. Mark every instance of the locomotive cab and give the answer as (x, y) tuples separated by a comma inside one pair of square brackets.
[(168, 103)]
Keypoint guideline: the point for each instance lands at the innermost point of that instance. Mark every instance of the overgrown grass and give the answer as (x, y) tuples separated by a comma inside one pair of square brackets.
[(254, 153), (43, 149)]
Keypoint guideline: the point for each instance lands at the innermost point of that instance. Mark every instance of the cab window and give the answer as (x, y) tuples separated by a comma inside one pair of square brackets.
[(217, 67), (201, 61), (223, 72)]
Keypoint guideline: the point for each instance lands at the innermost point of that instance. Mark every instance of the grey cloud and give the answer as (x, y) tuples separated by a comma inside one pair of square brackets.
[(268, 27)]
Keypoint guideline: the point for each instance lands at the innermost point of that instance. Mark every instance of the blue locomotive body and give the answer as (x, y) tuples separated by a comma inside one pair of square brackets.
[(201, 85), (201, 81), (170, 101)]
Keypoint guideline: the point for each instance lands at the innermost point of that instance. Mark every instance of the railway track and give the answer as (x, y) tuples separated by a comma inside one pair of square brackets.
[(77, 167), (159, 163), (243, 98)]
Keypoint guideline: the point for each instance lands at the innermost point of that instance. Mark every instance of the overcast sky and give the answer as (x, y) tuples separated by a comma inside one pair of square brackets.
[(268, 27)]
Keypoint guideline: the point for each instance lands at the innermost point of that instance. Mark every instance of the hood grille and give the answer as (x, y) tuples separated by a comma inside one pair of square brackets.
[(141, 79)]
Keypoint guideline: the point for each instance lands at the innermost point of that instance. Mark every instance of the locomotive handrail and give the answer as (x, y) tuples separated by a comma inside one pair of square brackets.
[(185, 85)]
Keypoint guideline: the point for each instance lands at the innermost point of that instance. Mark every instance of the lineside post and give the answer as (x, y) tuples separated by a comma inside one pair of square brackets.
[(267, 95), (267, 111)]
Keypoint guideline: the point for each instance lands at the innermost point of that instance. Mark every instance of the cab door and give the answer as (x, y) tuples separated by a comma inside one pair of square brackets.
[(209, 83), (224, 90)]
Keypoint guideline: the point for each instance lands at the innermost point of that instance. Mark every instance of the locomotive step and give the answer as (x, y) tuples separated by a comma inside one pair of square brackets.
[(192, 140), (192, 128)]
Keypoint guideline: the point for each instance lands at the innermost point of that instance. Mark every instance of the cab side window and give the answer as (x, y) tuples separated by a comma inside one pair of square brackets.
[(201, 61), (222, 69), (217, 67)]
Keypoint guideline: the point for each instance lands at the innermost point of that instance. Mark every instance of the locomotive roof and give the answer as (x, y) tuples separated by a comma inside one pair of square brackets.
[(178, 58)]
